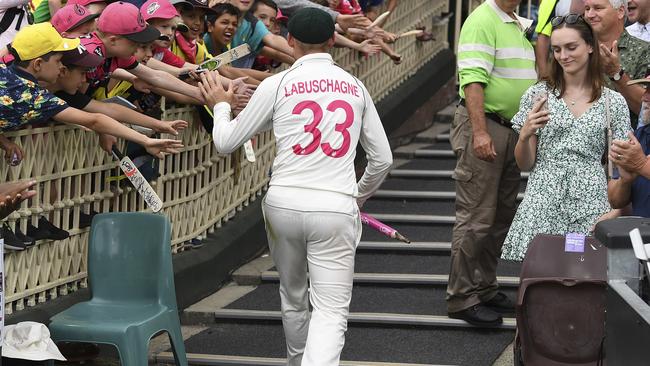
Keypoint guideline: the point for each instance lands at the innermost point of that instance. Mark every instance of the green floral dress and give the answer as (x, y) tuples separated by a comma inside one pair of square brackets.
[(567, 187)]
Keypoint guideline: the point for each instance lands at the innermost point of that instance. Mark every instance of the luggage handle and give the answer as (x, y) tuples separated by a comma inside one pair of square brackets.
[(569, 282)]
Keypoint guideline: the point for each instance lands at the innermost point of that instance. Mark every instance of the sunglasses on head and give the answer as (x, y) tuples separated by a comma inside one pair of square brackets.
[(568, 19)]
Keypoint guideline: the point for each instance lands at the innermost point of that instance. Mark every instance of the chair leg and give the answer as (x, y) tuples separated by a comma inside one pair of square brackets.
[(178, 347), (133, 351)]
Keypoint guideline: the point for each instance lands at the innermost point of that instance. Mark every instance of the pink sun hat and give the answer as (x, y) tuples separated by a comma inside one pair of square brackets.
[(158, 9), (84, 2), (124, 19), (71, 16)]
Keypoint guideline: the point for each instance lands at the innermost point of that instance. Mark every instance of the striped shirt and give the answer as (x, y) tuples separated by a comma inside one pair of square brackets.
[(493, 50)]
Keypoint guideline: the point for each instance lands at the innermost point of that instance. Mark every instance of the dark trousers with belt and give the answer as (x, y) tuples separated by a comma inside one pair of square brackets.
[(486, 194)]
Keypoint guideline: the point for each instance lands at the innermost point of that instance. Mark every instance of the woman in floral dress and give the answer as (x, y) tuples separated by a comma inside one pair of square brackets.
[(562, 128)]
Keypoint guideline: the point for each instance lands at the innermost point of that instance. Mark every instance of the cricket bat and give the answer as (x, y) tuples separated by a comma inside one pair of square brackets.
[(383, 228), (226, 57), (144, 188), (223, 59)]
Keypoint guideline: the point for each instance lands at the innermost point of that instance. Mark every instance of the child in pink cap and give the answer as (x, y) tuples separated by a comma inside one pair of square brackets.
[(94, 6), (161, 14), (120, 29), (74, 21)]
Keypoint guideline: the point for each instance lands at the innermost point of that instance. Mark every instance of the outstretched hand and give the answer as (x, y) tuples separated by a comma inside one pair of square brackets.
[(242, 88), (352, 21), (369, 48), (160, 147), (171, 127), (12, 194), (212, 90)]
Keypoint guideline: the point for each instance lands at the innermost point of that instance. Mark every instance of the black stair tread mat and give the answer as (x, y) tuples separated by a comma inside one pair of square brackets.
[(411, 206), (452, 346), (428, 184), (441, 145), (445, 163), (376, 261), (419, 184), (417, 263), (367, 298), (415, 232)]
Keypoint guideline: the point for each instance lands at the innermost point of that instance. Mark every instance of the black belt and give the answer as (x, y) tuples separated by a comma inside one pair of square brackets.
[(492, 117)]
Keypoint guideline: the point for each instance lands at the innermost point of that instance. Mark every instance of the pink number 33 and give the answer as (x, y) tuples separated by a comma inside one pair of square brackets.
[(312, 128)]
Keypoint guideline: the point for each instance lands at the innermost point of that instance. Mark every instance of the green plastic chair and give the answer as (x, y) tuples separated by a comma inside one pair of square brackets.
[(132, 287)]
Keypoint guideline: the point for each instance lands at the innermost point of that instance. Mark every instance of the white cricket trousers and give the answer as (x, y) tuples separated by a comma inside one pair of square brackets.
[(324, 244)]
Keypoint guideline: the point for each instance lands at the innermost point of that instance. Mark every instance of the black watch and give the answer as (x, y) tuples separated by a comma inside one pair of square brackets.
[(618, 75)]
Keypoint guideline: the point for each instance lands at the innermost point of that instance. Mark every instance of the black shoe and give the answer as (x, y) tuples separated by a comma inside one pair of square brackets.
[(46, 230), (86, 219), (36, 233), (10, 239), (28, 240), (501, 303), (479, 315), (196, 243)]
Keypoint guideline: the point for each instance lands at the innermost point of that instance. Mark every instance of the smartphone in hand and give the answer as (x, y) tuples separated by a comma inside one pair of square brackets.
[(539, 97)]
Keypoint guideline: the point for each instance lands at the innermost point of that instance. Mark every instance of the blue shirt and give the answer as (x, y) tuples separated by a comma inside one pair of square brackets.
[(23, 101), (640, 193), (245, 34)]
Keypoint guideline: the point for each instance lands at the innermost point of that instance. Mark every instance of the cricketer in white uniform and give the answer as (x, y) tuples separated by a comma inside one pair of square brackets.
[(318, 113)]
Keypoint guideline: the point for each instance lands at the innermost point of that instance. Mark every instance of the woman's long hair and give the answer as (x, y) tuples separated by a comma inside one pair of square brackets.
[(555, 79)]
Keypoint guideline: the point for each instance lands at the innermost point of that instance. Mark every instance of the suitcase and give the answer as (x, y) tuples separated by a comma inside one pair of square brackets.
[(560, 307)]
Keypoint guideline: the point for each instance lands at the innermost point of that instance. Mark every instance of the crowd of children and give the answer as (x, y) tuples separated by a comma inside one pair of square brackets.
[(65, 61)]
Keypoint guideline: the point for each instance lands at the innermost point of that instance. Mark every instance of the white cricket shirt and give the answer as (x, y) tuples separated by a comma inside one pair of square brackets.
[(318, 113), (8, 36)]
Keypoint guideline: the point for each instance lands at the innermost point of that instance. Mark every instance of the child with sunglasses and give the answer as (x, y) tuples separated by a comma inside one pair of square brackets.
[(562, 123)]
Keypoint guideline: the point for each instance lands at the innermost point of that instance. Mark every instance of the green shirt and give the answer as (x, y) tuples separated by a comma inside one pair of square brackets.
[(42, 12), (493, 50), (634, 54)]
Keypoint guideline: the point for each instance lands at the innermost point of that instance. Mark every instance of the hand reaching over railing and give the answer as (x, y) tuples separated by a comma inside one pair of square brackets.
[(12, 194)]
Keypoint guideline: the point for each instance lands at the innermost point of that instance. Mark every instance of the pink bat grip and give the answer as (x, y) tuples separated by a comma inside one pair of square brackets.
[(382, 228)]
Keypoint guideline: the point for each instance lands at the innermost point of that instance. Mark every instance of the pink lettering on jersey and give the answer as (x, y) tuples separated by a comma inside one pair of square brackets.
[(337, 86), (321, 86)]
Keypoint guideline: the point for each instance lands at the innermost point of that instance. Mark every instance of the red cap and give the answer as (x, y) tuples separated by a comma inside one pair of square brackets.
[(125, 20), (281, 17), (84, 2), (158, 9), (71, 16)]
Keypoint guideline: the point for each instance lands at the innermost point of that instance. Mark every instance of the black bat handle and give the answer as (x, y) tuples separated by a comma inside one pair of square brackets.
[(118, 154)]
